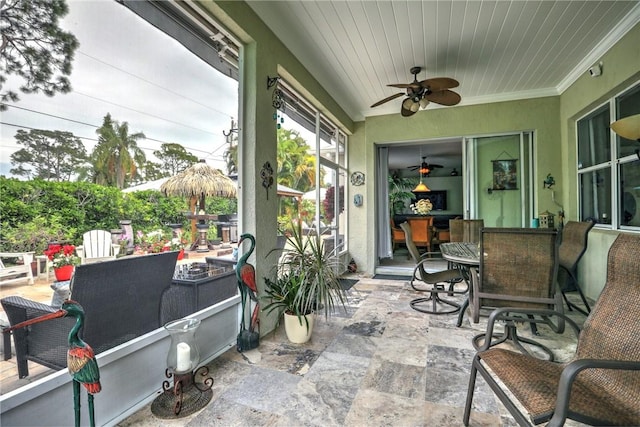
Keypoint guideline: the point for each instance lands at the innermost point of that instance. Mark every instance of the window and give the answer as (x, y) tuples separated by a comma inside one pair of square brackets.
[(609, 173), (326, 144)]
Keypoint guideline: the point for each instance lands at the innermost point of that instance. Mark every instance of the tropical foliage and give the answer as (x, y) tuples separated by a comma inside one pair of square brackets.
[(34, 213), (117, 156), (306, 278)]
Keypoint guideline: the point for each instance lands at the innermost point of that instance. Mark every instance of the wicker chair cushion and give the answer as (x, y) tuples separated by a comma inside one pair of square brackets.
[(610, 332), (534, 383)]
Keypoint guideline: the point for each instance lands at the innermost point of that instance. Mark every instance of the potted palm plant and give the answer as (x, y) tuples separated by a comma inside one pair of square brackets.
[(306, 284)]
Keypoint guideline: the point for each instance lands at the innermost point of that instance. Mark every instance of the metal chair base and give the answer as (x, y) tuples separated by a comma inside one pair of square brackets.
[(436, 301), (511, 333)]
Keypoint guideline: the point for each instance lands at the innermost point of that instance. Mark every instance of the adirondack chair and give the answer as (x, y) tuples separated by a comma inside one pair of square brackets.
[(97, 246), (16, 273)]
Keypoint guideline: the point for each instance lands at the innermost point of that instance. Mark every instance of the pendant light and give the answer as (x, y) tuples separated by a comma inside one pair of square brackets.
[(421, 187)]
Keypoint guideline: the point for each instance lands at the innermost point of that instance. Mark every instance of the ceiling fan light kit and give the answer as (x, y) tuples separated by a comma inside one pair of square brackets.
[(420, 93)]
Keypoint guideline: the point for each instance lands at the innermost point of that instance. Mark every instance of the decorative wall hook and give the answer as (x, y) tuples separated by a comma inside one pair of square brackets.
[(271, 81), (549, 181), (267, 177)]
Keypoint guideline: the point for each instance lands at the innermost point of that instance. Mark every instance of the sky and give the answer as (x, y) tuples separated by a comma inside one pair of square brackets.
[(128, 68)]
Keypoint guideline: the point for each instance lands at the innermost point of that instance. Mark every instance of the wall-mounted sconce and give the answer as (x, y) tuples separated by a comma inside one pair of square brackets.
[(549, 181), (271, 81)]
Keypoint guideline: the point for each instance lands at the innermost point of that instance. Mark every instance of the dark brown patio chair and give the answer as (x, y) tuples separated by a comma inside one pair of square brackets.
[(601, 384), (435, 281), (518, 268), (465, 230), (574, 245)]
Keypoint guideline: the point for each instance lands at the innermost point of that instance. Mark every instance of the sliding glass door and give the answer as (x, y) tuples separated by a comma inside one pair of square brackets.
[(497, 185)]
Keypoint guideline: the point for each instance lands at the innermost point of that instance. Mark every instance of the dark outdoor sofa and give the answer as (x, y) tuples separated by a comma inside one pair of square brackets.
[(121, 299)]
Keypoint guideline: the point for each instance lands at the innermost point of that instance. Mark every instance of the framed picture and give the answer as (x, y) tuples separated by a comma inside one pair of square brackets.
[(505, 174)]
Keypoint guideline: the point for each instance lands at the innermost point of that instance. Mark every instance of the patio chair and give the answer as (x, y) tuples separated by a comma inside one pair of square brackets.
[(600, 384), (465, 230), (575, 236), (435, 281), (16, 273), (97, 246), (121, 299), (518, 268)]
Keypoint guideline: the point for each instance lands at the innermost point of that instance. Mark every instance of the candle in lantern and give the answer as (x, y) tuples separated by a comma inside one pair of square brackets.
[(183, 357)]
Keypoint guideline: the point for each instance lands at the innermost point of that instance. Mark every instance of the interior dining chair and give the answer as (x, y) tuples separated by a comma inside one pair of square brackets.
[(600, 384), (575, 236), (397, 235), (435, 282), (518, 268)]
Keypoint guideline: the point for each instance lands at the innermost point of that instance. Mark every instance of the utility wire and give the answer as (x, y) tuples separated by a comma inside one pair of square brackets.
[(209, 154), (153, 84), (93, 126)]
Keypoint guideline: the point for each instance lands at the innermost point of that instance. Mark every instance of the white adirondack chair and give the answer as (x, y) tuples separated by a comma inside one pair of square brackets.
[(97, 246), (16, 273)]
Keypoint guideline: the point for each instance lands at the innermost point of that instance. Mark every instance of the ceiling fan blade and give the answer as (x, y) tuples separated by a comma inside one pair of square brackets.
[(388, 98), (414, 86), (439, 83), (431, 165), (444, 97)]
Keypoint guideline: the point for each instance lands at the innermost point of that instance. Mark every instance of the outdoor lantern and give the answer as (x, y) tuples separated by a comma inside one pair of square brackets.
[(187, 395), (546, 220)]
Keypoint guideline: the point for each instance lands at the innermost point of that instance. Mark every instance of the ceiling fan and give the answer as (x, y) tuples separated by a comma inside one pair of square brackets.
[(419, 94), (424, 168)]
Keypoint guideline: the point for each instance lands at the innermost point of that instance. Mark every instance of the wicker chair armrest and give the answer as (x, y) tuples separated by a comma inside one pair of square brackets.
[(504, 313), (19, 309), (568, 376)]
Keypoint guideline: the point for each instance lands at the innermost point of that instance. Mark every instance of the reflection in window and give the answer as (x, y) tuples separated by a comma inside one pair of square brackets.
[(609, 174)]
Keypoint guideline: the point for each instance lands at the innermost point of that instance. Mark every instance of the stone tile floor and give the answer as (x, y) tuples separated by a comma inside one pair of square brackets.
[(380, 363)]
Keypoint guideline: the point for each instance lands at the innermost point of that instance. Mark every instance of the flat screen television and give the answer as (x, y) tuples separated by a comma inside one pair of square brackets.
[(438, 199)]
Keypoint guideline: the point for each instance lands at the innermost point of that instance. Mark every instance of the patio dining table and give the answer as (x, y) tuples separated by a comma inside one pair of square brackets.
[(466, 255)]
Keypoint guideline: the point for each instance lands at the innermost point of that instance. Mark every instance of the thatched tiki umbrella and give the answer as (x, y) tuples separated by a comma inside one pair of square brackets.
[(197, 182)]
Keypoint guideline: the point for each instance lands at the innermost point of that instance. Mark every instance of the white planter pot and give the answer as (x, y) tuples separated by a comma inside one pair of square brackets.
[(296, 332)]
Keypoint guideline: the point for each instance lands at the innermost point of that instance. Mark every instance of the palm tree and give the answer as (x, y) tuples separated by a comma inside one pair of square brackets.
[(116, 157)]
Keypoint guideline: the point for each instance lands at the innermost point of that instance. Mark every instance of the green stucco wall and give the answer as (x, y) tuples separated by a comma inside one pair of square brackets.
[(539, 114), (621, 69)]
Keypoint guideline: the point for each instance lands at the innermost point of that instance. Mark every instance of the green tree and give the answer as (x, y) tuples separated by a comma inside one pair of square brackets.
[(48, 155), (174, 158), (151, 171), (296, 166), (117, 157), (34, 48), (231, 156)]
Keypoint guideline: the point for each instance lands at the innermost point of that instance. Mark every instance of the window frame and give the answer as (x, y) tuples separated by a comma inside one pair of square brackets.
[(614, 163)]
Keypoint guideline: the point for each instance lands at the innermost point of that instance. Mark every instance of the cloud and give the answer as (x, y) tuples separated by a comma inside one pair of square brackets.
[(127, 67)]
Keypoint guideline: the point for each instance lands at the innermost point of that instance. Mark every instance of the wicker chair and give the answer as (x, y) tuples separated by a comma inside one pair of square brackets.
[(573, 246), (518, 268), (121, 299), (434, 280), (601, 384)]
